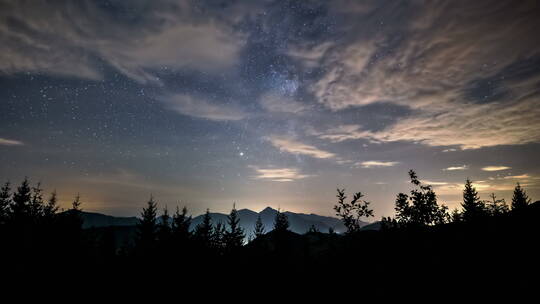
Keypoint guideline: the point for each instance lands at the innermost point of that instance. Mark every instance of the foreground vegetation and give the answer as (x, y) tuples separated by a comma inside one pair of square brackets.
[(486, 243)]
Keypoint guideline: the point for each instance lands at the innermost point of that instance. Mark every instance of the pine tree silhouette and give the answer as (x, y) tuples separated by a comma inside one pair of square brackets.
[(20, 207), (147, 228), (217, 239), (5, 203), (180, 225), (36, 202), (234, 236), (495, 206), (164, 227), (520, 200), (51, 208), (204, 230), (473, 207), (259, 227), (281, 222)]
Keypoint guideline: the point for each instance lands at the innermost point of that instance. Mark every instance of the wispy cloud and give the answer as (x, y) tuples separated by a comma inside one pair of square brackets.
[(10, 142), (72, 38), (202, 108), (495, 168), (462, 106), (523, 176), (456, 168), (278, 174), (376, 163), (274, 102), (292, 146)]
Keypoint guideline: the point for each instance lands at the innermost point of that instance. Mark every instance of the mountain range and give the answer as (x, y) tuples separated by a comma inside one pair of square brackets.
[(299, 222)]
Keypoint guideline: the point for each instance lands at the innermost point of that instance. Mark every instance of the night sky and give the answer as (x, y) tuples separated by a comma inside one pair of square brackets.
[(268, 103)]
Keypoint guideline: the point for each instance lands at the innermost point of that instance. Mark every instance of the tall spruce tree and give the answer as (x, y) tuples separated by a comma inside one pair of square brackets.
[(259, 227), (164, 227), (36, 202), (520, 200), (234, 236), (20, 207), (180, 225), (5, 202), (147, 228), (204, 230), (51, 208), (473, 207), (281, 222)]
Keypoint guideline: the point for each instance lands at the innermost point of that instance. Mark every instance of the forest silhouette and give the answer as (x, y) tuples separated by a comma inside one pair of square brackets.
[(484, 244)]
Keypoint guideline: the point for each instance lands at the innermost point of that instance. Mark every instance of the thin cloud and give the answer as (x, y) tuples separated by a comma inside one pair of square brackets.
[(376, 163), (495, 168), (278, 174), (456, 168), (10, 142), (71, 39), (448, 108), (273, 102), (292, 146), (202, 108)]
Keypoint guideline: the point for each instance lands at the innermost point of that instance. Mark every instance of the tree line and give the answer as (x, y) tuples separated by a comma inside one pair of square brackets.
[(31, 223)]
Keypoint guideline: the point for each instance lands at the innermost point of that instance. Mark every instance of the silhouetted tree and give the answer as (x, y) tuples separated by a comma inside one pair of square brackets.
[(164, 226), (350, 213), (51, 208), (5, 202), (234, 236), (456, 216), (217, 240), (313, 229), (20, 207), (496, 206), (147, 228), (203, 231), (36, 202), (421, 207), (473, 207), (180, 225), (259, 227), (281, 222), (520, 200)]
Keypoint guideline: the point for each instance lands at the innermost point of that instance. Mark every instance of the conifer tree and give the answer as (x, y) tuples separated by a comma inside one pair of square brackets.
[(217, 239), (5, 202), (496, 206), (164, 227), (259, 227), (520, 200), (51, 208), (20, 207), (204, 230), (281, 222), (234, 236), (147, 227), (36, 202), (180, 225), (473, 207)]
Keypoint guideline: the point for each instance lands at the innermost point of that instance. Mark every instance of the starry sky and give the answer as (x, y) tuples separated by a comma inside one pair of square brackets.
[(268, 103)]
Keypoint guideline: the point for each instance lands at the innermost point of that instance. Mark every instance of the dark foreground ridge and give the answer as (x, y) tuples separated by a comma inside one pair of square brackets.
[(424, 248)]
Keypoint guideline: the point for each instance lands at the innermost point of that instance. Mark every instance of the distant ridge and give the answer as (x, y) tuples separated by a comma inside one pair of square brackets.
[(299, 222)]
